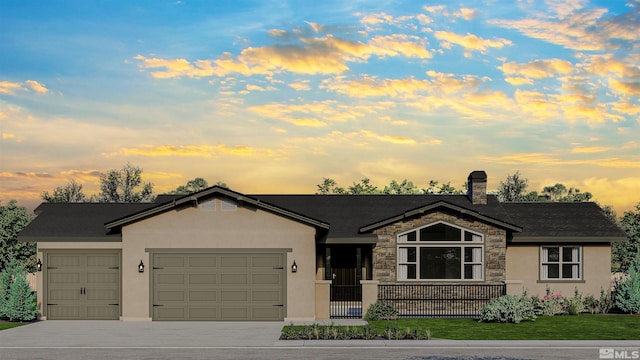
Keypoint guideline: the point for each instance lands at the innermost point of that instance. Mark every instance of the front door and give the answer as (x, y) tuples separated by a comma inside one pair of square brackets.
[(345, 271)]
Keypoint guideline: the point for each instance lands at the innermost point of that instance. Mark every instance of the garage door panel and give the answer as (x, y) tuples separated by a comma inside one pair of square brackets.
[(102, 277), (202, 261), (203, 295), (219, 286), (103, 261), (70, 294), (169, 261), (266, 261), (234, 279), (64, 278), (102, 312), (266, 279), (103, 295), (203, 279), (170, 279), (234, 261), (72, 312), (271, 296), (68, 261)]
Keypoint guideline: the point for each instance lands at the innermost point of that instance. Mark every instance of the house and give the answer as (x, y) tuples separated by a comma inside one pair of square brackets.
[(221, 255)]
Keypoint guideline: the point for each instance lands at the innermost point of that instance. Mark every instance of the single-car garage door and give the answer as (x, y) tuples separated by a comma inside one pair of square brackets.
[(218, 286), (83, 286)]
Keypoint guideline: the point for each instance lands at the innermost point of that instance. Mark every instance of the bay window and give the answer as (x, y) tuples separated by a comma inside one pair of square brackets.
[(440, 252)]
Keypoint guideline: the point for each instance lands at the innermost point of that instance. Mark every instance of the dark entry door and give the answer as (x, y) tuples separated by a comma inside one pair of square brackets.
[(345, 264)]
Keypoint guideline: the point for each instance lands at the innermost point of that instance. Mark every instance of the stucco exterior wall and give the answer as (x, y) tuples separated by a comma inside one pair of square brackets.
[(385, 250), (523, 271), (241, 228)]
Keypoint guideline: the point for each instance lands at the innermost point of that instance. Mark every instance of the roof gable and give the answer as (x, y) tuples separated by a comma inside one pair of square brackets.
[(192, 200)]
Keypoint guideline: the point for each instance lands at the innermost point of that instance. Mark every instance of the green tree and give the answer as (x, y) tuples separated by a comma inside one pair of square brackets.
[(18, 301), (13, 219), (121, 186), (513, 188), (443, 189), (364, 187), (329, 186), (628, 290), (624, 253), (70, 193), (405, 187), (192, 186)]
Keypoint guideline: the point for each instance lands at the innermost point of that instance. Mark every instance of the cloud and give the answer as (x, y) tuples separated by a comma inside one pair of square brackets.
[(625, 87), (10, 88), (369, 86), (205, 151), (538, 69), (466, 13), (548, 159), (319, 55), (469, 42), (10, 136), (401, 140), (301, 85)]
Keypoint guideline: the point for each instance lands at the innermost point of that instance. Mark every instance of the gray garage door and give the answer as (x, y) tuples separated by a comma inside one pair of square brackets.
[(83, 286), (218, 286)]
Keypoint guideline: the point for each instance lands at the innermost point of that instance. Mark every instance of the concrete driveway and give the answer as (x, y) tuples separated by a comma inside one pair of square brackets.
[(101, 333)]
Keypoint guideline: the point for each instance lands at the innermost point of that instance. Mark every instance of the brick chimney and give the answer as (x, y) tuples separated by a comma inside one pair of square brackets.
[(477, 187)]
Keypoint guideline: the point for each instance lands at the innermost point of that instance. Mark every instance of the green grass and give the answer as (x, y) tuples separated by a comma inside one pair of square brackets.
[(562, 327), (8, 325), (580, 327)]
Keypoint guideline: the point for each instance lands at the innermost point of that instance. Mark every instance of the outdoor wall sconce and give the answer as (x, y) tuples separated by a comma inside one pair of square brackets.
[(294, 267), (141, 267), (39, 265)]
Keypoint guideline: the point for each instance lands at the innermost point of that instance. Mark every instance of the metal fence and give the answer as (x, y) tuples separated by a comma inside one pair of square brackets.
[(439, 300), (346, 301)]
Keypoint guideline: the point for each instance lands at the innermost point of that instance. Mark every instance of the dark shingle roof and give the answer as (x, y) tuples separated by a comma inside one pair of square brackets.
[(79, 221), (573, 221)]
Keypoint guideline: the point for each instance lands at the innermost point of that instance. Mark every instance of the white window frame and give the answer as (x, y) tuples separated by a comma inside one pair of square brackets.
[(544, 263), (402, 263)]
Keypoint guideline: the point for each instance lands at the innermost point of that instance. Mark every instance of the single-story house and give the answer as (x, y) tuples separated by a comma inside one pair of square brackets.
[(221, 255)]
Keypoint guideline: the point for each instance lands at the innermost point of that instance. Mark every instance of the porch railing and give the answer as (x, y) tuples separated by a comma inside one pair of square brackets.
[(346, 301), (440, 300)]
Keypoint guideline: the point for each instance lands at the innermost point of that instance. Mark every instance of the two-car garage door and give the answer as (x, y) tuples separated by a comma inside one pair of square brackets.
[(218, 286)]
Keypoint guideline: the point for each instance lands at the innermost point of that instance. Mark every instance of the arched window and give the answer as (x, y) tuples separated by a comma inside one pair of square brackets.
[(440, 251)]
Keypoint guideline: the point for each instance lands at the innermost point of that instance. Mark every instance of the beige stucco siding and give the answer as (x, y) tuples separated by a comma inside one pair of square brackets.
[(218, 229), (523, 271)]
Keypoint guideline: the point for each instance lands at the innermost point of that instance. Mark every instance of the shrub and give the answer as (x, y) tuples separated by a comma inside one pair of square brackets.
[(508, 308), (381, 310), (628, 290), (576, 304), (17, 300), (551, 304)]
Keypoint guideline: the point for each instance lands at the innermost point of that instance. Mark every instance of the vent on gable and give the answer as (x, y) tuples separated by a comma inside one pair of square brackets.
[(228, 205), (209, 205)]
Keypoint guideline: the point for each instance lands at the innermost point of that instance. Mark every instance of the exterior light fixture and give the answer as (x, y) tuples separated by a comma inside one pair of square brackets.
[(141, 267), (294, 267), (39, 265)]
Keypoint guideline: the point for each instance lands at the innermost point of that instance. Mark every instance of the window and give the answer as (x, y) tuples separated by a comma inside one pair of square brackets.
[(560, 263), (440, 252)]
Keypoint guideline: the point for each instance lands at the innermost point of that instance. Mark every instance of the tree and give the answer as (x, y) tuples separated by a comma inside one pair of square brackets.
[(192, 186), (364, 187), (120, 186), (405, 187), (17, 300), (624, 253), (443, 189), (13, 219), (328, 186), (513, 188), (70, 193), (628, 290)]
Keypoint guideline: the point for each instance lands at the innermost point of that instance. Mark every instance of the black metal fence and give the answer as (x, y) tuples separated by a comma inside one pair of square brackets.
[(439, 300), (346, 301)]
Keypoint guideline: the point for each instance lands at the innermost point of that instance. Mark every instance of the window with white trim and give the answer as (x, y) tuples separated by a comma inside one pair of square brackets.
[(440, 252), (561, 262)]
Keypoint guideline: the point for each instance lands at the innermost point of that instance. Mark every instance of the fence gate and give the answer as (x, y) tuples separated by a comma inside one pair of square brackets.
[(346, 302)]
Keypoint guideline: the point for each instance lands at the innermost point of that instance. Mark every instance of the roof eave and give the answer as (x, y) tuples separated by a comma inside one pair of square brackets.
[(566, 239)]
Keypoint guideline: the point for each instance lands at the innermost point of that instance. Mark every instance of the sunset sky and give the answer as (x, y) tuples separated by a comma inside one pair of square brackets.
[(272, 96)]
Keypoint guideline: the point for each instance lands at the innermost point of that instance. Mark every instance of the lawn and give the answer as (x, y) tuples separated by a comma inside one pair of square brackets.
[(8, 325), (561, 327)]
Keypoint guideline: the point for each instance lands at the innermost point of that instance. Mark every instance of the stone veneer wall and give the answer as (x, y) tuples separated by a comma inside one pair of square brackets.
[(384, 252)]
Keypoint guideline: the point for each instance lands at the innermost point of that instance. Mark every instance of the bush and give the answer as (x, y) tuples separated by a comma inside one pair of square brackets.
[(381, 310), (576, 304), (17, 300), (551, 304), (508, 308), (628, 290)]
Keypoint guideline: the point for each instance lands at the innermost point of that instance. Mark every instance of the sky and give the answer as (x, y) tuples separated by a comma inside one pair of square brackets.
[(274, 96)]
